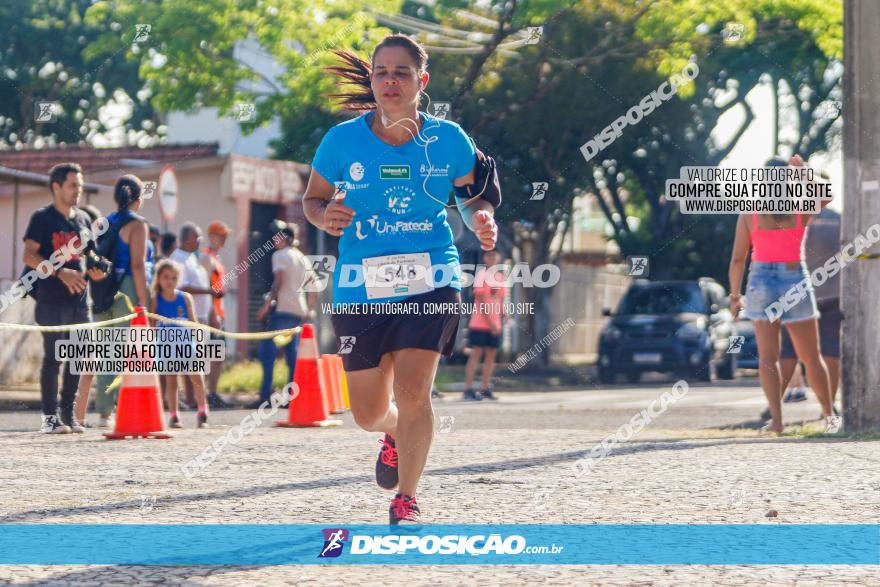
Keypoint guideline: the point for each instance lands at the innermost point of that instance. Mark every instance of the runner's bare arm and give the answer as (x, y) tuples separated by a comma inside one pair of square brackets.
[(478, 215), (322, 209)]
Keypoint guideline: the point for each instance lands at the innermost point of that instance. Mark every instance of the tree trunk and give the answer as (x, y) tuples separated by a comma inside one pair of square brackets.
[(861, 280)]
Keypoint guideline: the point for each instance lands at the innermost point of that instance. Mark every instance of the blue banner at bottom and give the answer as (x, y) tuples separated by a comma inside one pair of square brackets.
[(255, 544)]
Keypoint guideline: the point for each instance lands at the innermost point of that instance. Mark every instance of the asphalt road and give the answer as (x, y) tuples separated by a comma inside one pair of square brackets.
[(509, 461)]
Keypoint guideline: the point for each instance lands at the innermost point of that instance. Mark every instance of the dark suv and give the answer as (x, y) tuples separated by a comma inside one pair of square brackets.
[(670, 326)]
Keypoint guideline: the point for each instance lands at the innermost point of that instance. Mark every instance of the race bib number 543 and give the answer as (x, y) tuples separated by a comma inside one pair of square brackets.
[(398, 275)]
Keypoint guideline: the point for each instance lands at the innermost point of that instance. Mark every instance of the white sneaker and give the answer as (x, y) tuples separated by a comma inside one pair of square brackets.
[(52, 425), (105, 422), (76, 427), (832, 425)]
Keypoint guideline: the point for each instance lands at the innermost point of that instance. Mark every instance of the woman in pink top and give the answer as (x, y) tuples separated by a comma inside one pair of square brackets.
[(777, 269), (484, 329)]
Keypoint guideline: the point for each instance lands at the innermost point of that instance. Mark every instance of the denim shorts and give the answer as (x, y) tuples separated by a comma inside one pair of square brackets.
[(773, 287)]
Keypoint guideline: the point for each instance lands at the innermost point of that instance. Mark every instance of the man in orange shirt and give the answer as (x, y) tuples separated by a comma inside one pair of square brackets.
[(484, 329), (217, 233)]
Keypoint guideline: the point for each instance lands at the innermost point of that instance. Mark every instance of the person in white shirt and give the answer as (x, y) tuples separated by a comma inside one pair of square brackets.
[(194, 280), (285, 305)]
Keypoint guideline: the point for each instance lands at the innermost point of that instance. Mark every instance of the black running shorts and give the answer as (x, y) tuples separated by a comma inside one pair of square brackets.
[(428, 321), (484, 338)]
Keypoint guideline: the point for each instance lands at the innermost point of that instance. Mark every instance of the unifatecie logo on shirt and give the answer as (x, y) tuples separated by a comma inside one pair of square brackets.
[(381, 227), (399, 198)]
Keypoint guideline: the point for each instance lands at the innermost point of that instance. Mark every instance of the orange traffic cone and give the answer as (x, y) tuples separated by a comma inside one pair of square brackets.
[(309, 407), (343, 383), (139, 411), (332, 389), (337, 375), (326, 378)]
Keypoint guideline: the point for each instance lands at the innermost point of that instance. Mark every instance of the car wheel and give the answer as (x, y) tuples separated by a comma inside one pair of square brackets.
[(607, 376), (633, 376), (727, 369)]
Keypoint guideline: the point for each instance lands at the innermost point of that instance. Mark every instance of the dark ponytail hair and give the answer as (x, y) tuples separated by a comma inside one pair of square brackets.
[(127, 190), (354, 71)]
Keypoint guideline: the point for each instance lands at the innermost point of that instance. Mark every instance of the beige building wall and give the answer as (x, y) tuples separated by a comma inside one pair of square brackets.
[(210, 188), (583, 291)]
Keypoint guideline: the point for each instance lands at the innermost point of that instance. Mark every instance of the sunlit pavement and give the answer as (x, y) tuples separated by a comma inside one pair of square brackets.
[(509, 461)]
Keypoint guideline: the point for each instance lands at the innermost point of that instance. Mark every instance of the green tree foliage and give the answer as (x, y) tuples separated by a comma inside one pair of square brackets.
[(196, 57), (47, 55), (532, 106)]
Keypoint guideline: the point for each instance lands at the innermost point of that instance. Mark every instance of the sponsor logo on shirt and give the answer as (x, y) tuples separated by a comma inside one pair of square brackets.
[(374, 225), (356, 171), (344, 186), (399, 198), (394, 172), (434, 170)]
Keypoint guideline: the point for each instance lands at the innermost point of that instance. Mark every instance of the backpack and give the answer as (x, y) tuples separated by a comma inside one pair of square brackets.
[(103, 292)]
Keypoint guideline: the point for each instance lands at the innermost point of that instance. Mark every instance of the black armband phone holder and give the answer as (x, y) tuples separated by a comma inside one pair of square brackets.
[(486, 184)]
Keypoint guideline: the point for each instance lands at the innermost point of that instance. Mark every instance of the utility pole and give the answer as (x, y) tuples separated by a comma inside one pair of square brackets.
[(860, 281)]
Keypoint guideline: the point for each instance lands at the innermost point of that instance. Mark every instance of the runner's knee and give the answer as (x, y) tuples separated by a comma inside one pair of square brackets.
[(412, 395), (368, 418)]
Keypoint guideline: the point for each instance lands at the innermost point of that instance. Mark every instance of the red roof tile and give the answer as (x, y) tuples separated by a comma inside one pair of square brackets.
[(92, 159)]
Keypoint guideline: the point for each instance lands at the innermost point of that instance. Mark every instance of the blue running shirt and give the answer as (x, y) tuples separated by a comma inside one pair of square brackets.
[(386, 187)]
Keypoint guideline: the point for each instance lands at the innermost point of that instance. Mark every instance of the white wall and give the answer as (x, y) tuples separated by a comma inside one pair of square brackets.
[(206, 125)]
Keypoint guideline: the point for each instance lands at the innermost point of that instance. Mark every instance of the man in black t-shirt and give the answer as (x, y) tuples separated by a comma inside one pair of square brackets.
[(53, 242)]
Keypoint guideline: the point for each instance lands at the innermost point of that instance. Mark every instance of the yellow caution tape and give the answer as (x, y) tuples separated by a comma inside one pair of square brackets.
[(281, 337), (63, 327), (236, 335)]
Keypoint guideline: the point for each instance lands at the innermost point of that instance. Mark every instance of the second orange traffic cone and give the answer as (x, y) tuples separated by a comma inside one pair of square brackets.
[(339, 377), (309, 407), (332, 387), (139, 411)]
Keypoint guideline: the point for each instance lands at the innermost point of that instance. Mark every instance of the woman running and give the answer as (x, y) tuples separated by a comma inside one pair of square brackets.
[(380, 182), (776, 242)]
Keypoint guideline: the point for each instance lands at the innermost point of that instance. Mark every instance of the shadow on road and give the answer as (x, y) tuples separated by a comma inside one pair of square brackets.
[(633, 447)]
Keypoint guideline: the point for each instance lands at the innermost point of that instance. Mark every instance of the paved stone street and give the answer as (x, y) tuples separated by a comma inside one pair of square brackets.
[(504, 462)]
